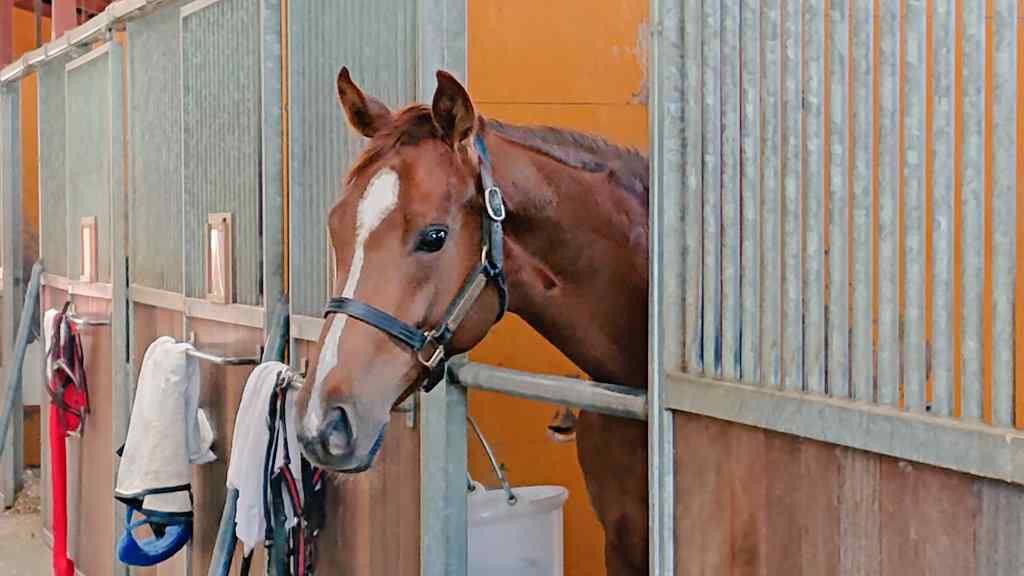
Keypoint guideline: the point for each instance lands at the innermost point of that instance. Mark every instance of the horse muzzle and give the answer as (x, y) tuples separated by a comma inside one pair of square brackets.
[(335, 446)]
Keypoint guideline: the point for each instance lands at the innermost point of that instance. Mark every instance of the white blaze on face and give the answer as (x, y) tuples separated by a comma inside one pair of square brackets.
[(379, 199)]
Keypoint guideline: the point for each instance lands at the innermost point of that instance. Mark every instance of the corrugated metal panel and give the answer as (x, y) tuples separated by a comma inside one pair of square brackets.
[(1004, 212), (862, 377), (221, 138), (730, 62), (839, 206), (154, 127), (792, 178), (377, 41), (771, 197), (88, 159), (888, 344), (750, 124), (914, 141), (711, 117), (813, 62), (972, 223), (943, 139), (53, 245), (692, 181)]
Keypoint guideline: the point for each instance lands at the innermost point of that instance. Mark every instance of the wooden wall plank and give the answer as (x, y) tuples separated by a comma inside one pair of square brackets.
[(92, 487), (859, 544), (1000, 532), (749, 497), (783, 477), (927, 519), (702, 511), (818, 508)]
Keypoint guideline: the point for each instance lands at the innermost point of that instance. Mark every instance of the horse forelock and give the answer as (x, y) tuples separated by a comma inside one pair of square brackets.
[(409, 126)]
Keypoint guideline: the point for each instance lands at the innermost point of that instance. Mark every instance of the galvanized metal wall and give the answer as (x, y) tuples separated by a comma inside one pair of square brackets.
[(53, 245), (377, 41), (850, 223), (88, 160), (221, 138), (154, 128)]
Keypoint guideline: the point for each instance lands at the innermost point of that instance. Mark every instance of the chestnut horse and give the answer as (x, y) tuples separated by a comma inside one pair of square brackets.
[(407, 234)]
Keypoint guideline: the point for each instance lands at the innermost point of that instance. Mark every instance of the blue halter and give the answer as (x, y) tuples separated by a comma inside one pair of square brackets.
[(154, 550)]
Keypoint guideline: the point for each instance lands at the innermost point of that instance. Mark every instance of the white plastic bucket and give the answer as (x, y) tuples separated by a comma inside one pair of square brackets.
[(521, 539)]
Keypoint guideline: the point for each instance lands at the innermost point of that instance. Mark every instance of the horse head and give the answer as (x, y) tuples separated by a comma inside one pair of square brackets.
[(407, 232)]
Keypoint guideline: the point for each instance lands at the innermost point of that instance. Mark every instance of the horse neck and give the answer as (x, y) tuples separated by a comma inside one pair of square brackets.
[(576, 256)]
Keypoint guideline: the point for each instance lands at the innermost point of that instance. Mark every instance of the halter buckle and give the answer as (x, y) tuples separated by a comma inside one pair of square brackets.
[(435, 356), (494, 203)]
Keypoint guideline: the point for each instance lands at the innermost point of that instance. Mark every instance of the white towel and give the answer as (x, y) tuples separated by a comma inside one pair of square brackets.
[(249, 450), (168, 432)]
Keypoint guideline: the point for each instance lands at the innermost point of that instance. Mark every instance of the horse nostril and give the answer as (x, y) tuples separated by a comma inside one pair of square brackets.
[(337, 434)]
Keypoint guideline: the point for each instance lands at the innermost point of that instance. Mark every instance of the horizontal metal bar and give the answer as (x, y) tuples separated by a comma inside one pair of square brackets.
[(57, 282), (240, 314), (99, 290), (966, 447), (307, 328), (157, 298), (608, 399), (93, 29), (84, 321), (224, 360)]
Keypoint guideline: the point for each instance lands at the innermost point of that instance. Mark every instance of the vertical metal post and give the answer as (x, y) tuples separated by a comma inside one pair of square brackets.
[(273, 157), (14, 280), (120, 304), (443, 504), (665, 311)]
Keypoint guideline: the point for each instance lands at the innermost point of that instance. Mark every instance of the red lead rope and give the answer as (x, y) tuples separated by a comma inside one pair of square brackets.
[(69, 403)]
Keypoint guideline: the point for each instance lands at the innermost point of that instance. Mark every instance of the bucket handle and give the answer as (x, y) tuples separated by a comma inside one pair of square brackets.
[(498, 472)]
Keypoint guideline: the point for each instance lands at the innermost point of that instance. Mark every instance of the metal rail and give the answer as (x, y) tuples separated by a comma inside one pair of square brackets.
[(610, 399), (77, 320), (95, 28), (224, 360)]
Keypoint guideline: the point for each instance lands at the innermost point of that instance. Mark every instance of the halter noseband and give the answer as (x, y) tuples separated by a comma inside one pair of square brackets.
[(429, 345)]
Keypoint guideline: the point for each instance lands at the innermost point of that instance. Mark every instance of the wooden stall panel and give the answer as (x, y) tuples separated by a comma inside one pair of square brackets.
[(221, 393), (91, 457), (373, 518), (751, 501), (151, 323)]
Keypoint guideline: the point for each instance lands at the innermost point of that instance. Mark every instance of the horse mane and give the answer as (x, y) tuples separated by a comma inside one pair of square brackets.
[(626, 167)]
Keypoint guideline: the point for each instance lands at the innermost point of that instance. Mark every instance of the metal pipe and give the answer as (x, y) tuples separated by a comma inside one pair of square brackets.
[(83, 321), (224, 360), (14, 375), (610, 399), (498, 472)]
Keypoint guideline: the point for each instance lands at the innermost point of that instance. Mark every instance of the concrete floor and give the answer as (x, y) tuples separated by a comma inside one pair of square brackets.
[(23, 551)]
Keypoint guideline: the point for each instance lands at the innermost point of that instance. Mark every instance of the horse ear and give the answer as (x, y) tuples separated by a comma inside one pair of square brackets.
[(366, 114), (453, 109)]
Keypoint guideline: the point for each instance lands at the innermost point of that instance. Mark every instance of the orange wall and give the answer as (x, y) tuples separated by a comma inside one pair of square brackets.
[(573, 65), (24, 40)]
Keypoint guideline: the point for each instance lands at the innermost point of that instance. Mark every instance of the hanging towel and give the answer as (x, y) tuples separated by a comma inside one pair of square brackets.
[(167, 433), (249, 454)]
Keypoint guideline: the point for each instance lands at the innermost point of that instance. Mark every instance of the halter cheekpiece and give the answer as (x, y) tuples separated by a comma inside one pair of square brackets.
[(430, 345)]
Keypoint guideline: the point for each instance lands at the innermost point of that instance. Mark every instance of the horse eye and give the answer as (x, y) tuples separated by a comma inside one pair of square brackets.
[(432, 239)]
